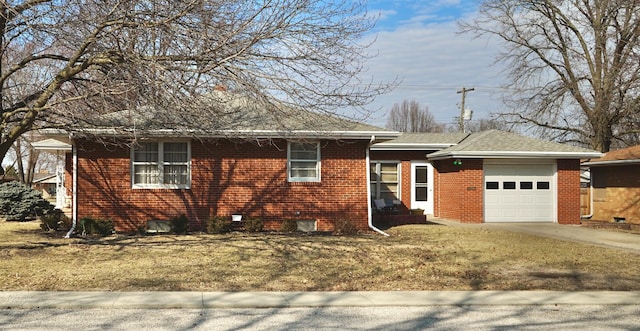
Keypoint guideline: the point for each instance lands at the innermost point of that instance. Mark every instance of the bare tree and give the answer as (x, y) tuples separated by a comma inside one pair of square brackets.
[(27, 161), (484, 124), (574, 65), (410, 117), (69, 60)]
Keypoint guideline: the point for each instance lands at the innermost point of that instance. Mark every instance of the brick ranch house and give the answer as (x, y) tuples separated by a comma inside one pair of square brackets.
[(133, 168)]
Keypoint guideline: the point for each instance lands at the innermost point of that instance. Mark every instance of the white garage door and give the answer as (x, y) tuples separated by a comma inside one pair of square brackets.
[(519, 193)]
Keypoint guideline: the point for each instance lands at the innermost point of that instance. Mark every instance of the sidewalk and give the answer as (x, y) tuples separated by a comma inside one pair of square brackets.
[(201, 300)]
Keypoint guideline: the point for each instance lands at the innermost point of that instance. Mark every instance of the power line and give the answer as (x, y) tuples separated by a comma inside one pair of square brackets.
[(424, 87)]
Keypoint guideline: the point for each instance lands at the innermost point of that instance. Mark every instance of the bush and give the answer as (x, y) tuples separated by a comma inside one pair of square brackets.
[(218, 224), (93, 226), (180, 224), (253, 225), (289, 226), (66, 222), (19, 202), (344, 227), (53, 220)]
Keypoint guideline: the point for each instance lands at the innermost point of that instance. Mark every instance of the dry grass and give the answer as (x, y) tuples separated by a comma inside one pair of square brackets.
[(416, 257)]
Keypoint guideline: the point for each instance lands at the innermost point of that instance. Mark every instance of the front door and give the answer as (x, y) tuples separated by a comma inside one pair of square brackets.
[(422, 187)]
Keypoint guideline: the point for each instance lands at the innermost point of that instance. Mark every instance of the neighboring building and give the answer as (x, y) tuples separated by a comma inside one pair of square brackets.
[(615, 186), (136, 167), (45, 183)]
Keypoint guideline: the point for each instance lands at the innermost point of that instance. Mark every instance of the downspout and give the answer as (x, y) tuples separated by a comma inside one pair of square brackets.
[(74, 190), (586, 217), (370, 206)]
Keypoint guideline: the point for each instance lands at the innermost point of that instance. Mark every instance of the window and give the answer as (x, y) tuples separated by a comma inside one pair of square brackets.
[(161, 165), (508, 185), (385, 180), (492, 185), (421, 183), (304, 162), (542, 185), (526, 185)]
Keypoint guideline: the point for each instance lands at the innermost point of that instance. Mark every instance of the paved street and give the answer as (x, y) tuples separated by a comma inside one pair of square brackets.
[(408, 310), (476, 317)]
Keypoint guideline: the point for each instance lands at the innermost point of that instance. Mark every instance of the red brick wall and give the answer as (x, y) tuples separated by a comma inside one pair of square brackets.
[(459, 190), (227, 177), (568, 191)]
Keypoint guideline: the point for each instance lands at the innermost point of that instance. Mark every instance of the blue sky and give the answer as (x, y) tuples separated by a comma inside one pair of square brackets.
[(403, 13), (416, 41)]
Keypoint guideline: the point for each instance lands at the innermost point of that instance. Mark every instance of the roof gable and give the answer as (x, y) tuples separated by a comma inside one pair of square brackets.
[(51, 145)]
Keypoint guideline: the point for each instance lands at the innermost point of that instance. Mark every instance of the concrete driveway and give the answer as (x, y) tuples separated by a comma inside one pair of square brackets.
[(598, 237)]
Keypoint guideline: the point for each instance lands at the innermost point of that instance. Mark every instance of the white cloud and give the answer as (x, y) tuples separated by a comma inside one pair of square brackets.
[(434, 62)]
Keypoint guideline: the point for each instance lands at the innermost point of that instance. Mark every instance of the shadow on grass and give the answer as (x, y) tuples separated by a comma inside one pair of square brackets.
[(415, 257)]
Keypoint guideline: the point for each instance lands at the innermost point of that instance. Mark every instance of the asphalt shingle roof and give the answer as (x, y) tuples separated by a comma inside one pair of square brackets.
[(504, 144), (624, 154), (429, 138), (226, 115)]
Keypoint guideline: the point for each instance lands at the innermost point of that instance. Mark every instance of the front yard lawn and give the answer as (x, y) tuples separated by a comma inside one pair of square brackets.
[(415, 257)]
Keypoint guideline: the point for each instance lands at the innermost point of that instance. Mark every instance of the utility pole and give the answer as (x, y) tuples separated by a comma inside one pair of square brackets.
[(464, 94)]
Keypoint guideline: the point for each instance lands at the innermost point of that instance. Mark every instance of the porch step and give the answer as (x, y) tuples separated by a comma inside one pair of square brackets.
[(395, 220)]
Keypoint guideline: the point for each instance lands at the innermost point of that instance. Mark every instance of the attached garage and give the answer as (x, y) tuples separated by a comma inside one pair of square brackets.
[(495, 176), (519, 192)]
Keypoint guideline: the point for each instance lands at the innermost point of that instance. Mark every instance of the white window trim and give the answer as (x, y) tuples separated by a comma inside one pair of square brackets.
[(376, 193), (315, 179), (161, 185)]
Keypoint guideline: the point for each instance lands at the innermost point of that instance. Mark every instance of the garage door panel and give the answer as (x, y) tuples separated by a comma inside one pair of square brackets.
[(518, 195)]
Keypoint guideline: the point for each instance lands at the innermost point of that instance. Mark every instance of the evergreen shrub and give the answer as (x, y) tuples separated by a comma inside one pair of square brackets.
[(20, 203)]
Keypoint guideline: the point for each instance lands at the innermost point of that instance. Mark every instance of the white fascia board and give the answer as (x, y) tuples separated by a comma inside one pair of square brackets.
[(46, 179), (510, 154), (408, 147), (53, 133), (612, 162), (306, 134)]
